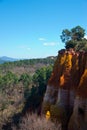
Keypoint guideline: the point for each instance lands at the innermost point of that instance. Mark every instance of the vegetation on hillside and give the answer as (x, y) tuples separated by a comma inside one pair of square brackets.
[(24, 91), (28, 66)]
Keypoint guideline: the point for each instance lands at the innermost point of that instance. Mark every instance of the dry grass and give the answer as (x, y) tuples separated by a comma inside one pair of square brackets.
[(33, 122)]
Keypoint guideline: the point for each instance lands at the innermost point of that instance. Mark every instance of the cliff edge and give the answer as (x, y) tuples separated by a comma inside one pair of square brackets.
[(66, 94)]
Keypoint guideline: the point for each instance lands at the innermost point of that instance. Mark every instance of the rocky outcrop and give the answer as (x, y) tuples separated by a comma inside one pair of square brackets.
[(66, 94)]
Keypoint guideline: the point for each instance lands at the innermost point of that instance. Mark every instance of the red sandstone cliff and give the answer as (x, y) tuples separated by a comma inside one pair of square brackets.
[(66, 94)]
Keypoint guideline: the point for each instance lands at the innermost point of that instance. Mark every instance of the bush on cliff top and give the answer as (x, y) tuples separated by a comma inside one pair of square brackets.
[(74, 38)]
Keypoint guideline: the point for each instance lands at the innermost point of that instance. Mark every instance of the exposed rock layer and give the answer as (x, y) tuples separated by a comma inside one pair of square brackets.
[(66, 94)]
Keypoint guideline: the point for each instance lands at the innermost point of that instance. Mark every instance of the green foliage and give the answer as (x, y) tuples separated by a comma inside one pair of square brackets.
[(26, 79), (28, 66), (42, 75), (66, 35), (77, 33), (81, 45), (24, 89), (70, 44), (8, 80), (74, 38), (37, 91)]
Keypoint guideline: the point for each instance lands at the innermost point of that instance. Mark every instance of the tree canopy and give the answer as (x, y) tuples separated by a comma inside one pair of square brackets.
[(74, 38)]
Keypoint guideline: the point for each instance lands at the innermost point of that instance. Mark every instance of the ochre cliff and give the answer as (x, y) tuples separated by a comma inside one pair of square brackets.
[(66, 94)]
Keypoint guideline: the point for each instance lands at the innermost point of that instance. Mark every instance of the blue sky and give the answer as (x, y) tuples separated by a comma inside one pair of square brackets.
[(32, 28)]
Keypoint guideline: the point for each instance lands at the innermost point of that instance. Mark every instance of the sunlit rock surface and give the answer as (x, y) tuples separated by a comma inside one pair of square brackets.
[(66, 94)]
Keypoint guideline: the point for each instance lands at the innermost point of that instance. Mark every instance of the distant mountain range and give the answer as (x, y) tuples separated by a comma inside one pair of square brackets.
[(7, 59), (4, 59)]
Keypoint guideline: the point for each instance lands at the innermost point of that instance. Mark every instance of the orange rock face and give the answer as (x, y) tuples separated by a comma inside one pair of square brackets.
[(70, 72), (67, 87)]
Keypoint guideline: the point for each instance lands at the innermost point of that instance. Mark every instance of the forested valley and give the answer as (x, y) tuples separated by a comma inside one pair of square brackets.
[(22, 87), (23, 84)]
